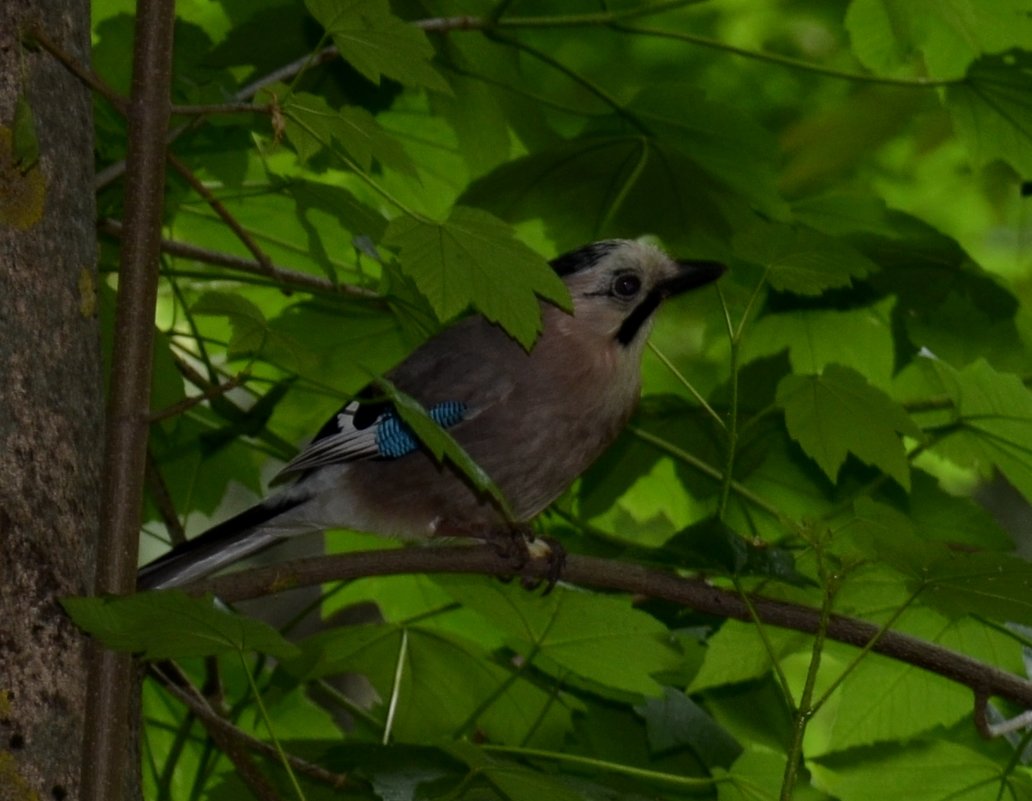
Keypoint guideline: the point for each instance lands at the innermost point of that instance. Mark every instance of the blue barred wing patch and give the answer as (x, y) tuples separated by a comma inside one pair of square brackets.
[(395, 439), (355, 433)]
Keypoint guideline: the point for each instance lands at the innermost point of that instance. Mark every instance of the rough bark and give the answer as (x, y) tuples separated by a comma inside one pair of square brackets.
[(50, 402)]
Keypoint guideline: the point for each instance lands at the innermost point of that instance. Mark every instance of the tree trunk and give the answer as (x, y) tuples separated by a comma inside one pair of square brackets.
[(50, 398)]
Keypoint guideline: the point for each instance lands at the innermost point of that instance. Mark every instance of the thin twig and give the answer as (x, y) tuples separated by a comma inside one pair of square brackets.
[(217, 206), (278, 447), (223, 730), (791, 63), (213, 391), (805, 711), (218, 108), (281, 275), (83, 73), (687, 385), (113, 172), (162, 499), (709, 470), (590, 20)]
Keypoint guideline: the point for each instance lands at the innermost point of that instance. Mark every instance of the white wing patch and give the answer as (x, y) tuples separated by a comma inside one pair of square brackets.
[(385, 436), (347, 444)]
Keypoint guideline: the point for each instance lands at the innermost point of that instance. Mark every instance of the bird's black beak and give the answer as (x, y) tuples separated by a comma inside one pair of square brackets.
[(692, 275)]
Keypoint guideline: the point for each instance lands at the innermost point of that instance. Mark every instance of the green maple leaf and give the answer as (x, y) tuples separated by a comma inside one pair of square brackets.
[(171, 624), (473, 259), (838, 412), (800, 259), (377, 43)]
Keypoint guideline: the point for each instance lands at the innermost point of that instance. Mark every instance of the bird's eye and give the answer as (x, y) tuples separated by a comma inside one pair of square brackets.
[(626, 285)]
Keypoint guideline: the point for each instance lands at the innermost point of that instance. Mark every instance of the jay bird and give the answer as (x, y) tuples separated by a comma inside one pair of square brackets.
[(532, 420)]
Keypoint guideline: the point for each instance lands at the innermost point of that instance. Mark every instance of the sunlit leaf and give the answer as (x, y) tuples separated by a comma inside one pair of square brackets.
[(838, 412), (923, 770), (312, 125), (885, 700), (570, 628), (992, 109), (755, 776), (377, 43), (947, 35), (861, 338), (736, 653), (800, 259), (987, 418), (472, 259)]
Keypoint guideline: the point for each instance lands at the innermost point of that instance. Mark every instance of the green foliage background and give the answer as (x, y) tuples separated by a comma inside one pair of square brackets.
[(861, 166)]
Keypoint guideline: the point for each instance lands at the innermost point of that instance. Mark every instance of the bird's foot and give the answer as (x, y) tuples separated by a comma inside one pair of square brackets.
[(519, 545)]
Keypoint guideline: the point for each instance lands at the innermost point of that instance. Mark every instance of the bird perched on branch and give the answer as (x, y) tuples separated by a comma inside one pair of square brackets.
[(533, 421)]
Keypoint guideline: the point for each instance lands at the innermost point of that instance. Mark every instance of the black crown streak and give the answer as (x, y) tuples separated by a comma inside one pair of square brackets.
[(583, 258), (693, 275)]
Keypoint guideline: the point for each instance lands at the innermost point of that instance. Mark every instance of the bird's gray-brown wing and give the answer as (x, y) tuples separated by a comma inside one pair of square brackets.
[(455, 376)]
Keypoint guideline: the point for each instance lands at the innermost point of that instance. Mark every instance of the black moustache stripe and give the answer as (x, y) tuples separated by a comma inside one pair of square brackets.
[(637, 318)]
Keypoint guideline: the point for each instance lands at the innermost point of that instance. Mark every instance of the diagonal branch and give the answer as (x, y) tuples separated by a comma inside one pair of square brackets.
[(217, 206), (611, 574), (233, 740), (281, 275)]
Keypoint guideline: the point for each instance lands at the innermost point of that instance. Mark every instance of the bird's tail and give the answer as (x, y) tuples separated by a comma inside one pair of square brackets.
[(218, 547)]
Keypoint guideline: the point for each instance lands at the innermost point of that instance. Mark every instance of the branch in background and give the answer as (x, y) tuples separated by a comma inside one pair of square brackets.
[(442, 25), (83, 73), (611, 574), (216, 205), (107, 751), (227, 736), (281, 275), (218, 108), (212, 391), (112, 172), (233, 742), (162, 499), (279, 448)]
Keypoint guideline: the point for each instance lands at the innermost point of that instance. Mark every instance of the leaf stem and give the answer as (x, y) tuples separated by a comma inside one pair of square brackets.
[(599, 764), (687, 384), (399, 671), (708, 470), (268, 725), (863, 652), (605, 18), (358, 171), (625, 187), (496, 19), (495, 694), (732, 412), (768, 646), (806, 709)]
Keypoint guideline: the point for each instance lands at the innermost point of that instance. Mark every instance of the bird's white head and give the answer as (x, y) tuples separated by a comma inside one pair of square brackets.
[(617, 285)]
